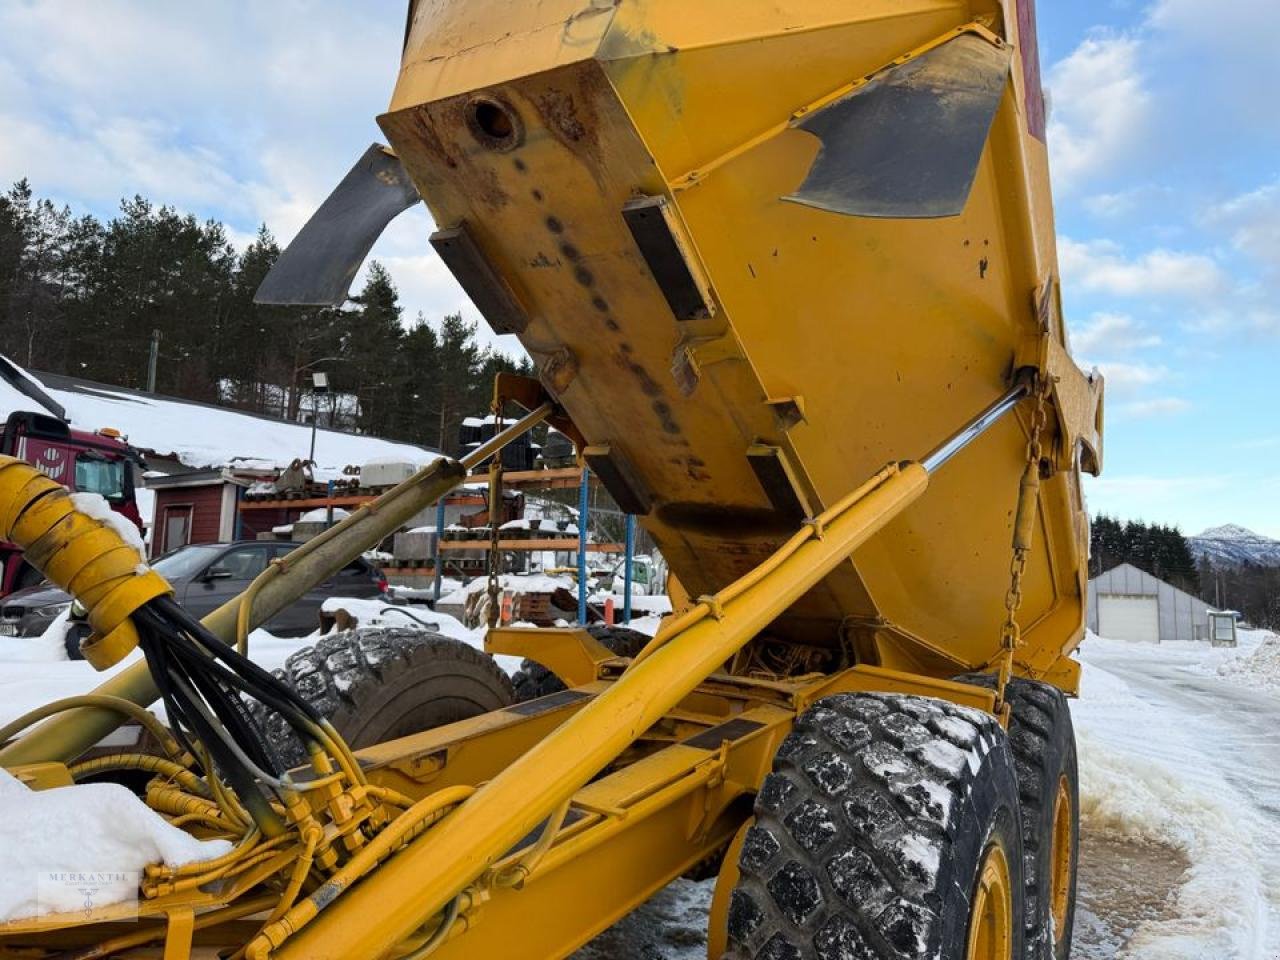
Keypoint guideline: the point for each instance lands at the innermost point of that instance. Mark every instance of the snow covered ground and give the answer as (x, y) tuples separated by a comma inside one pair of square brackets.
[(1180, 748)]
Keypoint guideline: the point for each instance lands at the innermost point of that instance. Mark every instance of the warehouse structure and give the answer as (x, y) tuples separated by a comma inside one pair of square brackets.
[(1126, 603)]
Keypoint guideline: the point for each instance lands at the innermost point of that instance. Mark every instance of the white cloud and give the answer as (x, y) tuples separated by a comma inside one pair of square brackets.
[(1100, 266), (1152, 489), (1253, 222), (1130, 200), (1154, 407), (1111, 204), (246, 112), (1112, 333), (1100, 108), (1131, 377)]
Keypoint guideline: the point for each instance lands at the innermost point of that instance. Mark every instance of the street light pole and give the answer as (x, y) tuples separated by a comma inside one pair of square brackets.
[(319, 386)]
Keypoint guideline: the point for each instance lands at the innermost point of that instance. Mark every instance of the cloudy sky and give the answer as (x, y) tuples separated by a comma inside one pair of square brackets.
[(1165, 134)]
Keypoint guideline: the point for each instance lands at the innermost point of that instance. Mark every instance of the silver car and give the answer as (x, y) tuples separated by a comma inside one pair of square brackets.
[(204, 577)]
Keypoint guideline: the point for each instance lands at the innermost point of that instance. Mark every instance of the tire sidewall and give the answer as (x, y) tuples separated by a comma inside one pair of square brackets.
[(1059, 759), (432, 691), (1042, 736), (990, 816)]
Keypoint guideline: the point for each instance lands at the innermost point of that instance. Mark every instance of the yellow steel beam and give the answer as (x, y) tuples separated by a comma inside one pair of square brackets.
[(399, 897), (632, 832), (570, 653)]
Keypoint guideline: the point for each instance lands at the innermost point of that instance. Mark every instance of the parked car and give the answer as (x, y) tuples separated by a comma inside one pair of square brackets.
[(205, 576)]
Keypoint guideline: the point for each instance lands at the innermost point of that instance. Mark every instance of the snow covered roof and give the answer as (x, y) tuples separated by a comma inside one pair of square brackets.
[(201, 434)]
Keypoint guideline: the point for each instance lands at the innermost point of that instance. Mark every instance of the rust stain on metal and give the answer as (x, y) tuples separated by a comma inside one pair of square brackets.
[(665, 417), (431, 128), (558, 369), (569, 113), (560, 114)]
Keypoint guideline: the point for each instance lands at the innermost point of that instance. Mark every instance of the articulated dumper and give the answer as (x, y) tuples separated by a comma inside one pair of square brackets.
[(787, 272)]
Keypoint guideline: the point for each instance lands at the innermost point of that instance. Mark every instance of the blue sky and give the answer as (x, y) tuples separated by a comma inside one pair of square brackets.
[(1164, 130)]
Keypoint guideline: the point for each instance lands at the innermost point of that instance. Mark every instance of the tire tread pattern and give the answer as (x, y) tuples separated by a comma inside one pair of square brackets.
[(849, 856), (337, 675)]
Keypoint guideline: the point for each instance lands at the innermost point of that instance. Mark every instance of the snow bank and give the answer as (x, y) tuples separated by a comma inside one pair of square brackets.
[(380, 613), (1259, 667), (422, 594), (1145, 776), (98, 828)]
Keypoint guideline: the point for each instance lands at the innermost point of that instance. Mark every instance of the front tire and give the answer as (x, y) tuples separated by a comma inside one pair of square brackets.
[(885, 821), (378, 684)]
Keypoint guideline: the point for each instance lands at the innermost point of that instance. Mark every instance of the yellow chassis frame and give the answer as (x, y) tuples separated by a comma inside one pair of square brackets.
[(628, 833)]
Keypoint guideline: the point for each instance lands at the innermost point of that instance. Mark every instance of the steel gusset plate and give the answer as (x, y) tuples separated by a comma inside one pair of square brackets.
[(907, 143)]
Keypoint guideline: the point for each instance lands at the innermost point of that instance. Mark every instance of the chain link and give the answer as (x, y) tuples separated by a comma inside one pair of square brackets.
[(1010, 632)]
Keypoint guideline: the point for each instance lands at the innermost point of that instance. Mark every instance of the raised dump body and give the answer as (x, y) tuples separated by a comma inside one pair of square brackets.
[(758, 251)]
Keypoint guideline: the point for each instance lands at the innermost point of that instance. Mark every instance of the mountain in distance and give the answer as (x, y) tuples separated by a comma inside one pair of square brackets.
[(1233, 545)]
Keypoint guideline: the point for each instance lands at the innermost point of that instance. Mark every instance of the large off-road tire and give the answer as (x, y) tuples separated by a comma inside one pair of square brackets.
[(1044, 750), (533, 680), (887, 823), (377, 684)]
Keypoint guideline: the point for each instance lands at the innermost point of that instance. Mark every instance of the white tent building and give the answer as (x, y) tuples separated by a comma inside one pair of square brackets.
[(1126, 603)]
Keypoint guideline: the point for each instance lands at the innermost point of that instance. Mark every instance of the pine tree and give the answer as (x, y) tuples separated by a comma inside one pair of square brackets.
[(371, 342), (83, 298), (460, 372), (420, 379)]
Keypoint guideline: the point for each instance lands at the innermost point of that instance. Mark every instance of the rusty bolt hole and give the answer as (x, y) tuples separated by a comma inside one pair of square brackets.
[(494, 124)]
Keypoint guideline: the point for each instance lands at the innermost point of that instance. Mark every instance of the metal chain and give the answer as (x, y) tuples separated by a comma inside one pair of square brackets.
[(1010, 632)]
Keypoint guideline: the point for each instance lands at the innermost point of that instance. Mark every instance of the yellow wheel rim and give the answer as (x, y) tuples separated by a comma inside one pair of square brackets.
[(1060, 862), (991, 919)]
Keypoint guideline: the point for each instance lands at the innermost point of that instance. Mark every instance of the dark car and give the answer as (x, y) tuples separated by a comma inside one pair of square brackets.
[(205, 576)]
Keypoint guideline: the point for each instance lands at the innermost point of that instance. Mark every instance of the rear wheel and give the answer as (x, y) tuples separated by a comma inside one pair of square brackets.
[(534, 680), (1044, 749), (888, 830), (375, 685)]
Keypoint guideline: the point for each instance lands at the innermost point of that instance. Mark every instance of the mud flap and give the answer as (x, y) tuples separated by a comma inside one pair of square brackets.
[(319, 266), (907, 143)]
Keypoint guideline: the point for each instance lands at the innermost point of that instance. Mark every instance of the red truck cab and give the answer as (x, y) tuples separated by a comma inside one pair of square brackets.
[(83, 462)]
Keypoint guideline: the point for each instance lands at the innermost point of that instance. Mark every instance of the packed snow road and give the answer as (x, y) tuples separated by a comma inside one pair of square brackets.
[(1181, 751), (1180, 805)]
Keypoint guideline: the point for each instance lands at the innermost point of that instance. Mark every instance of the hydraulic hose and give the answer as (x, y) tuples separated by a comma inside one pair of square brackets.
[(66, 736), (84, 555)]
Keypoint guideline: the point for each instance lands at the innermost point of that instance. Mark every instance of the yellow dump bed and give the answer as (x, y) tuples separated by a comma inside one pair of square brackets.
[(758, 251)]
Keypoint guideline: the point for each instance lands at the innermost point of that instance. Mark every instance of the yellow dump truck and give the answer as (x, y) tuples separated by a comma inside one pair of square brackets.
[(787, 271)]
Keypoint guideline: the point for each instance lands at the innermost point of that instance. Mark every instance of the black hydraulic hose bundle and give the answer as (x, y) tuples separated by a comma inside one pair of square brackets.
[(202, 682)]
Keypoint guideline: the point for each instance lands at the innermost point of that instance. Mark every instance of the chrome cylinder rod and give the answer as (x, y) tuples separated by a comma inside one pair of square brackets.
[(974, 428)]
